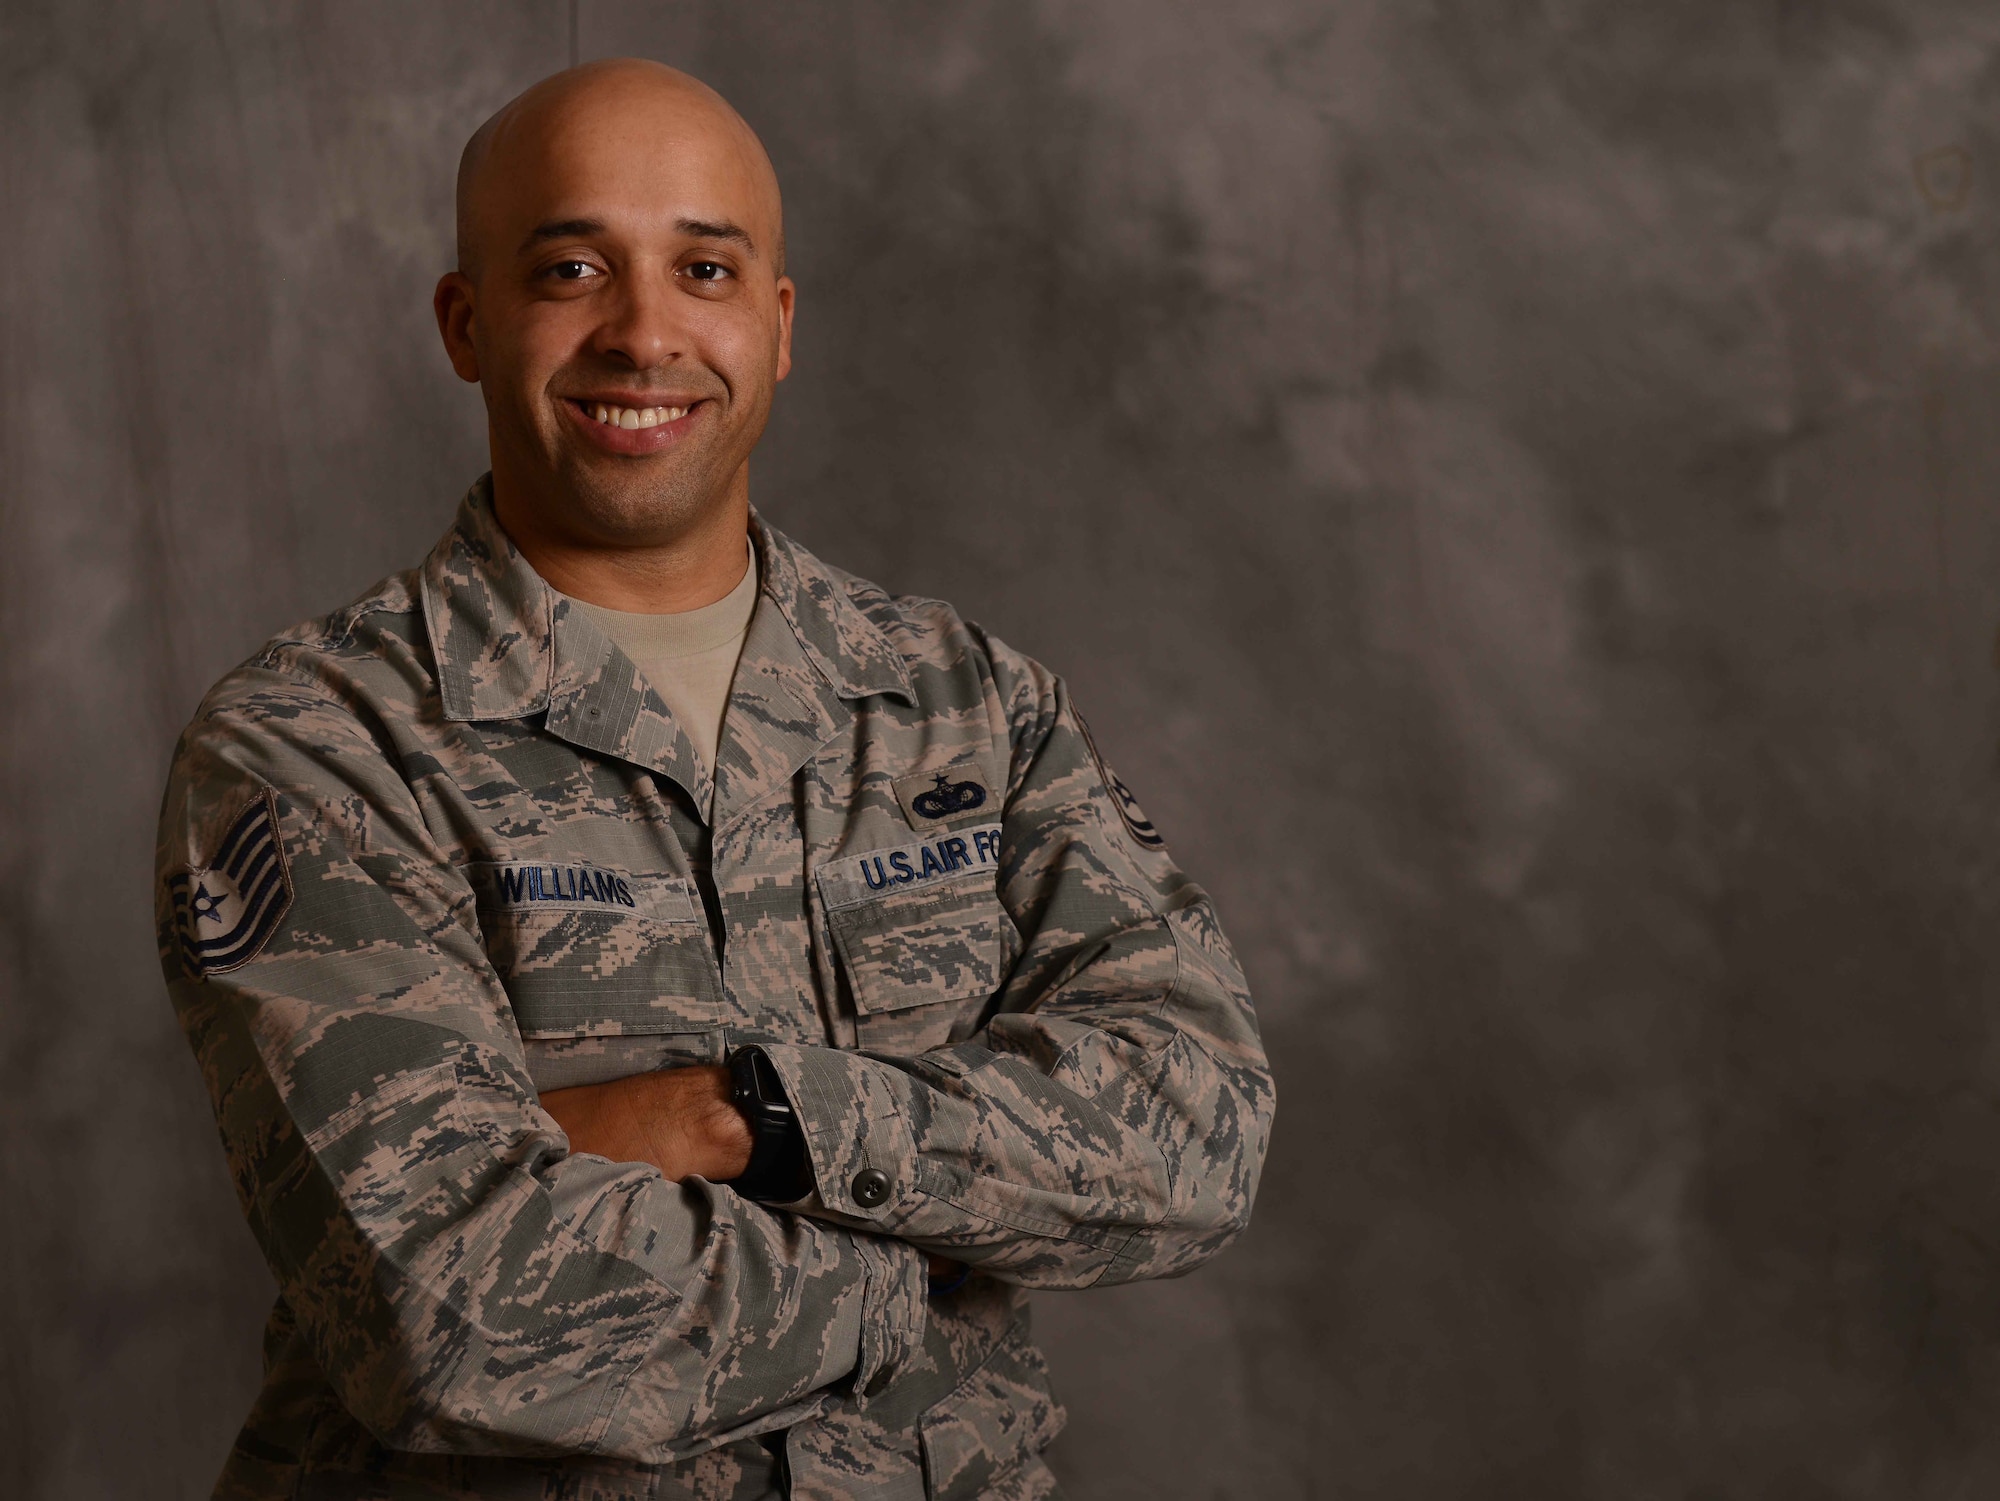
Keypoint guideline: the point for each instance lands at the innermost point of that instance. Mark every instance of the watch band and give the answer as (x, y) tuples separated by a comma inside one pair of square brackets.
[(779, 1170)]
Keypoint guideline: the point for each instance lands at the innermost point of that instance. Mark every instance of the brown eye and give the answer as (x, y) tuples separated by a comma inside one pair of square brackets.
[(570, 270), (707, 271)]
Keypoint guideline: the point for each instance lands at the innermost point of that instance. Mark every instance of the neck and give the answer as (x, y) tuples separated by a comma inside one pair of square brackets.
[(695, 566)]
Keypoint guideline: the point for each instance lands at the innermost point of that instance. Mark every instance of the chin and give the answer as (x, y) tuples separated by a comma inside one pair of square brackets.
[(645, 503)]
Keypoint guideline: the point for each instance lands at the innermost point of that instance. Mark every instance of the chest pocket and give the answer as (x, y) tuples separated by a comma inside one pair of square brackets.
[(921, 935), (593, 951)]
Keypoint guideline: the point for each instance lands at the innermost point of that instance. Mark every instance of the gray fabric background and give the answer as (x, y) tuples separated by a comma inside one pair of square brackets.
[(1513, 485)]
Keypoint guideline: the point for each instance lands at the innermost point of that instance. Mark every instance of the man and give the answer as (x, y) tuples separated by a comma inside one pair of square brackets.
[(665, 999)]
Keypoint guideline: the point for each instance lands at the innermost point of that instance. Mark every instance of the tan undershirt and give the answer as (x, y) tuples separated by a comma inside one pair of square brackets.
[(689, 658)]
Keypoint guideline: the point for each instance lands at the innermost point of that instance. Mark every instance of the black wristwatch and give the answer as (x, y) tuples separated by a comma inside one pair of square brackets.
[(779, 1171)]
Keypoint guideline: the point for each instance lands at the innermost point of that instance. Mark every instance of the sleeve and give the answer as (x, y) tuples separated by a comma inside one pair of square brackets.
[(466, 1285), (1109, 1121)]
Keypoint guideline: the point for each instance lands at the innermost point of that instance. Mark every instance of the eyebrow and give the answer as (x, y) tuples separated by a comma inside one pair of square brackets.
[(560, 229), (706, 229), (699, 229)]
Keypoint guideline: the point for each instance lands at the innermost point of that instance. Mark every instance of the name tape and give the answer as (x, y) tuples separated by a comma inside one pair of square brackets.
[(522, 887), (910, 867)]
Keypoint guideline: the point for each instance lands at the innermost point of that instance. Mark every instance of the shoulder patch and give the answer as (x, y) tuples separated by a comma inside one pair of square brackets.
[(1136, 823), (226, 910)]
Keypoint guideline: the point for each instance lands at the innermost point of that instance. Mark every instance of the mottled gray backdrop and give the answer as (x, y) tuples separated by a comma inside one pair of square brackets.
[(1513, 482)]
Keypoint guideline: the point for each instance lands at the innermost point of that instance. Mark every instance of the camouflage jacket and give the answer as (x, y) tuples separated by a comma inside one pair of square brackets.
[(445, 849)]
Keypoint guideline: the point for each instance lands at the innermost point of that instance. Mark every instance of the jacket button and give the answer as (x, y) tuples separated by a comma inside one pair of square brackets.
[(870, 1187)]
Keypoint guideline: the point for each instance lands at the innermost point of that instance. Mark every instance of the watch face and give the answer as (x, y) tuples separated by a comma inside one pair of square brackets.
[(770, 1089), (778, 1171), (754, 1085)]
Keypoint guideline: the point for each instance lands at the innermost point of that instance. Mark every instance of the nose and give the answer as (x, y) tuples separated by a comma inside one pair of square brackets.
[(641, 327)]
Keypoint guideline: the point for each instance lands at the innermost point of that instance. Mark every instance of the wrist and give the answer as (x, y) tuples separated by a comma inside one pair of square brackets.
[(778, 1170), (728, 1132)]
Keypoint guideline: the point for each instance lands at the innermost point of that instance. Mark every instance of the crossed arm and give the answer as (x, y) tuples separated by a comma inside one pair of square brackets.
[(680, 1121), (1107, 1124)]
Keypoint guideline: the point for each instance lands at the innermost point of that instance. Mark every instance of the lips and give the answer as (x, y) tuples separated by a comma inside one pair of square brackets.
[(625, 427)]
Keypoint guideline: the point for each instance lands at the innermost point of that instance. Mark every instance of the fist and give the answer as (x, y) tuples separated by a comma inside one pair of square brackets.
[(680, 1120)]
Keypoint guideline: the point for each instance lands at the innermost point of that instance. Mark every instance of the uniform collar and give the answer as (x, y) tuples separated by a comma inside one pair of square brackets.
[(509, 647), (847, 647)]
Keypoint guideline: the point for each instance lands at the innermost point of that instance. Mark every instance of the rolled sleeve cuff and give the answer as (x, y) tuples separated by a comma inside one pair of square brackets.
[(864, 1156)]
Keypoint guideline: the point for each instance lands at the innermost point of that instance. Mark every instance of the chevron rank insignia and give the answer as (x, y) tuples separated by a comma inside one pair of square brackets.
[(1136, 823), (224, 911)]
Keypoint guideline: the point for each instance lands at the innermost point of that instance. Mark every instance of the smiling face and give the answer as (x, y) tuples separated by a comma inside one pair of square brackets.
[(621, 302)]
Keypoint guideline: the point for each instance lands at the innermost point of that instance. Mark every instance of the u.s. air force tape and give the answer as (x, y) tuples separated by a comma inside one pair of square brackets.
[(959, 854)]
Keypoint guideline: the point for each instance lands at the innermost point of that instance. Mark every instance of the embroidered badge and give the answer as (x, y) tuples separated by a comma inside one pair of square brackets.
[(225, 911), (910, 867), (1135, 820), (947, 796)]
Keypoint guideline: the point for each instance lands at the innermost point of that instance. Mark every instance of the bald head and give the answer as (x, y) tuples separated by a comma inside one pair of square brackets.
[(622, 304), (627, 105)]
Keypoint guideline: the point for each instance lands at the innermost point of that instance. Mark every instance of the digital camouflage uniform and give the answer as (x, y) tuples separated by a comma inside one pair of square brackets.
[(444, 849)]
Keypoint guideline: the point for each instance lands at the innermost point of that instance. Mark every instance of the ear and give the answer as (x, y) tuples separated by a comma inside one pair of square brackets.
[(452, 302), (786, 295)]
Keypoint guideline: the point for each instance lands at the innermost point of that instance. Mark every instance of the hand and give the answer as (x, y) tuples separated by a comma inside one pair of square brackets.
[(681, 1120)]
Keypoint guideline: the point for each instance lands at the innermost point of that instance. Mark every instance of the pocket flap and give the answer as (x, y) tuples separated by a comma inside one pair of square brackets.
[(921, 948), (997, 1417), (919, 923)]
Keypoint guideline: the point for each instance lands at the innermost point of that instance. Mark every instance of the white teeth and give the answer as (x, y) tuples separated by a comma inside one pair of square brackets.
[(636, 417)]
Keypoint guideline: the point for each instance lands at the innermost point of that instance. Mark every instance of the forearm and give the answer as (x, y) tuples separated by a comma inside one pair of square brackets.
[(516, 1300), (1112, 1132), (680, 1121), (1109, 1120), (464, 1280)]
